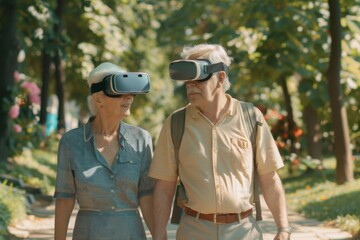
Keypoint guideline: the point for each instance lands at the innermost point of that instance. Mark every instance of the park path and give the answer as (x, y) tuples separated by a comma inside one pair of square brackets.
[(40, 226)]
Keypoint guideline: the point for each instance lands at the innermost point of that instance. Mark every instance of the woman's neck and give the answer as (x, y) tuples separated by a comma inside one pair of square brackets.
[(105, 126)]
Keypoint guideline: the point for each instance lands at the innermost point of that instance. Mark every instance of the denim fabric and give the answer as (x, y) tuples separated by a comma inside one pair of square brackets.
[(84, 174)]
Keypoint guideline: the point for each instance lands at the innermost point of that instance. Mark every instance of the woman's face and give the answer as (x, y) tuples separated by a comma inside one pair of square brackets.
[(119, 107)]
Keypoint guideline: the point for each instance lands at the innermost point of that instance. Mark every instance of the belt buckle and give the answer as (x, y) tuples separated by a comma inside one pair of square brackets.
[(216, 219)]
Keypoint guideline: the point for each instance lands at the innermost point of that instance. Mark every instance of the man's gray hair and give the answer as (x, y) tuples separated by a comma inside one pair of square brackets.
[(213, 52)]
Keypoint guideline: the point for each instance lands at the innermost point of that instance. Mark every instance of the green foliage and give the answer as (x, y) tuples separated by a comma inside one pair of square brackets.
[(4, 219), (12, 207), (269, 39)]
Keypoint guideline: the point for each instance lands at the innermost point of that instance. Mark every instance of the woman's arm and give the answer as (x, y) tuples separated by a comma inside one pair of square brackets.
[(63, 210)]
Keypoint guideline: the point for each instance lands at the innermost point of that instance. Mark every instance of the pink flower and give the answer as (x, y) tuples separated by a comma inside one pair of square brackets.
[(31, 88), (17, 76), (14, 111), (17, 128), (34, 98)]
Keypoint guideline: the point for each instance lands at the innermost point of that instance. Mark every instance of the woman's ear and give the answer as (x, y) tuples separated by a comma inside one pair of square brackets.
[(98, 100)]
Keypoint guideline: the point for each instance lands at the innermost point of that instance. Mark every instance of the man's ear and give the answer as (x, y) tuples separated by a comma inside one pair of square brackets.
[(221, 76)]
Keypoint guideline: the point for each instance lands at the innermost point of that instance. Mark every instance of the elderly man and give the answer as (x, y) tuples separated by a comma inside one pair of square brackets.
[(216, 158)]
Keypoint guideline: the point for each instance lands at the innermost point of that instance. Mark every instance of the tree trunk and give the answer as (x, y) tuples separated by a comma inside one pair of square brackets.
[(59, 75), (344, 168), (290, 115), (9, 50), (60, 92), (313, 133), (46, 62)]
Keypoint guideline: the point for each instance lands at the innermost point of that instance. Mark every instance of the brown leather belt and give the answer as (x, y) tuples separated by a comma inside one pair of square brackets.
[(219, 218)]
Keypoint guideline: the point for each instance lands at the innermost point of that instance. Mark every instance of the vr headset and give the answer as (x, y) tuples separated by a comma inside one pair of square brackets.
[(199, 69), (117, 84)]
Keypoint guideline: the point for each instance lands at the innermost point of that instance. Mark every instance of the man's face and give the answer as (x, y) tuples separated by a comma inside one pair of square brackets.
[(202, 92)]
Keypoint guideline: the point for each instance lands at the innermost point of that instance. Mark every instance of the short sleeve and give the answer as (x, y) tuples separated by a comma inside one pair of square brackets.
[(65, 185), (268, 157), (164, 166)]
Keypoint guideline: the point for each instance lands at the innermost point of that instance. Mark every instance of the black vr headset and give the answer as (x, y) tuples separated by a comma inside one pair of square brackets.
[(118, 84), (199, 69)]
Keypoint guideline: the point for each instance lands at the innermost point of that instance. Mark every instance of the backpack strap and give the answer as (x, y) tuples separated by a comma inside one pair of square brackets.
[(177, 132), (251, 129)]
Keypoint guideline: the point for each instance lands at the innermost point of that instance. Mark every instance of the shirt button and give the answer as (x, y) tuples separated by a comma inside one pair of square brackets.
[(112, 176), (112, 190), (112, 207)]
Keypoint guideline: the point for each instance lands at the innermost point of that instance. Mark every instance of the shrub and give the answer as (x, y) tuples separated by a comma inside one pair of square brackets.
[(349, 223), (23, 108), (12, 207)]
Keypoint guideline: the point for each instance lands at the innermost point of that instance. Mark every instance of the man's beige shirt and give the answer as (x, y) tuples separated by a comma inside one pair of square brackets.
[(216, 160)]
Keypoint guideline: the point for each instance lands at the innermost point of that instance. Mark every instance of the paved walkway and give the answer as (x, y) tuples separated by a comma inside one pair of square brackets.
[(41, 226)]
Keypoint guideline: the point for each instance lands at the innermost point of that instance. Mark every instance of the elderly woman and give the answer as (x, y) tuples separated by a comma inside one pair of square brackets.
[(104, 164)]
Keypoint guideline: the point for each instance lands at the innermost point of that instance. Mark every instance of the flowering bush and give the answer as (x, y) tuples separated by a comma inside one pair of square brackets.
[(285, 140), (23, 107), (284, 137)]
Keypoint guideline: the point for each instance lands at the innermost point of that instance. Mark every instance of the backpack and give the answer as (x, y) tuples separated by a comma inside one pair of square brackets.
[(177, 131)]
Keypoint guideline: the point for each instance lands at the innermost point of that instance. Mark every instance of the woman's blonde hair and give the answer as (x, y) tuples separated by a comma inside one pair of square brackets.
[(97, 75)]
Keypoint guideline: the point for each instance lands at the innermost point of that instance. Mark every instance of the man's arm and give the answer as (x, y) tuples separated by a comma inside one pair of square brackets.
[(63, 210), (146, 203), (274, 196), (163, 197)]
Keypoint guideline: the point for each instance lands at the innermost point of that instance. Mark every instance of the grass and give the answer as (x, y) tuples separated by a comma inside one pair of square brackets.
[(316, 195), (36, 168)]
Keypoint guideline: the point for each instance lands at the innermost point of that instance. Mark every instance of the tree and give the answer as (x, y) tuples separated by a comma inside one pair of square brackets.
[(313, 136), (59, 71), (344, 170), (9, 50)]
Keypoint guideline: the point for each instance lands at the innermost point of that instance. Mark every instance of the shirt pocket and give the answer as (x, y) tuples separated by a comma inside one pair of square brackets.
[(241, 151), (129, 170)]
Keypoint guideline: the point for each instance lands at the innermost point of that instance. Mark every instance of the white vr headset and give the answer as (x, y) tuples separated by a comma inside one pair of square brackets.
[(118, 84), (199, 69)]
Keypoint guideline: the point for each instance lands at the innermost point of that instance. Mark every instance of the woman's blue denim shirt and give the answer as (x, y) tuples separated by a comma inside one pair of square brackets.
[(84, 174)]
